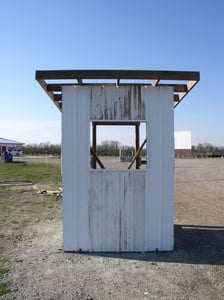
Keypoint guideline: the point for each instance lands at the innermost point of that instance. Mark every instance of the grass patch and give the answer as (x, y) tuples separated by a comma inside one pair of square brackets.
[(3, 260), (3, 271), (37, 173), (4, 288), (20, 208), (14, 222)]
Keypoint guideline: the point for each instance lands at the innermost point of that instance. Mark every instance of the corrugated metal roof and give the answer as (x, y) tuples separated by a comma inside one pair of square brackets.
[(4, 141)]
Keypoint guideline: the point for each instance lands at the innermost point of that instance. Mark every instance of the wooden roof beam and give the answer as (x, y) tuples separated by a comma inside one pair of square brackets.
[(191, 84), (54, 87), (177, 87), (176, 98), (117, 74), (58, 101), (54, 90), (58, 97), (113, 123), (79, 81), (155, 82), (44, 86)]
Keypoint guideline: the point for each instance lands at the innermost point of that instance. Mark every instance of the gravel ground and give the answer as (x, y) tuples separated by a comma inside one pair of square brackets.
[(39, 269)]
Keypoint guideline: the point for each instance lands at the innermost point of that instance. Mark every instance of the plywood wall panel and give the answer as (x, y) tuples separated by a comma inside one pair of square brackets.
[(116, 103), (75, 170), (160, 169), (116, 210)]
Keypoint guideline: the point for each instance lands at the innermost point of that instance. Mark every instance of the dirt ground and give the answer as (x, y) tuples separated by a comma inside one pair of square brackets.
[(39, 269)]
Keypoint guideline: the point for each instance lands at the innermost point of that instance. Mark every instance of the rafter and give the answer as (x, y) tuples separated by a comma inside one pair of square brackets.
[(137, 77)]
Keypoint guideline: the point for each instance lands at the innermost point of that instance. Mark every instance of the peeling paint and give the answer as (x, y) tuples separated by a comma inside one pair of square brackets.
[(123, 103), (117, 210), (121, 197)]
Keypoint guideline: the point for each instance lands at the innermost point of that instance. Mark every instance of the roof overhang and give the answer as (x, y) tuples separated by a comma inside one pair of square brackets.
[(52, 81), (6, 142)]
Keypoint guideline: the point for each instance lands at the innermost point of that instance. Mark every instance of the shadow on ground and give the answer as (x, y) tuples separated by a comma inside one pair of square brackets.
[(193, 245)]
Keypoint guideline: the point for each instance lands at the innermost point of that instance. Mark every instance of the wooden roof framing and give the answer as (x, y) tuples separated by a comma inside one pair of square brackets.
[(53, 80)]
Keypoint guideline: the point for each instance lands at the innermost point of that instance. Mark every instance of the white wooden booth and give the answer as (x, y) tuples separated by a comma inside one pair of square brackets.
[(117, 210)]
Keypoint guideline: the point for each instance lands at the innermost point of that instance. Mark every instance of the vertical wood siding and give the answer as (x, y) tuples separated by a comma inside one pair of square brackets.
[(75, 168), (116, 210), (160, 169), (112, 104)]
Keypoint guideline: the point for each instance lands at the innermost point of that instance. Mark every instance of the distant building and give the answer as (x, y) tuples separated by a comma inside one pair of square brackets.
[(14, 147), (183, 145)]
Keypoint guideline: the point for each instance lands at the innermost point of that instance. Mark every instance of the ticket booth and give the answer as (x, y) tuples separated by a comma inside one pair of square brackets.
[(117, 210)]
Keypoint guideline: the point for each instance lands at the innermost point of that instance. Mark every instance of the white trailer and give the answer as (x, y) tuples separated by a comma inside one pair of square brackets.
[(13, 147)]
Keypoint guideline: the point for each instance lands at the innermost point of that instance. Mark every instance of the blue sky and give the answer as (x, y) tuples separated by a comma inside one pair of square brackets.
[(116, 34)]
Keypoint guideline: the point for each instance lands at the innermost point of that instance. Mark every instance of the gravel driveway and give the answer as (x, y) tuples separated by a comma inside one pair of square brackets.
[(39, 269)]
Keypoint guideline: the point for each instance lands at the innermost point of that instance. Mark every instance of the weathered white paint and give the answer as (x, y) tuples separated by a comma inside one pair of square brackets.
[(116, 210), (121, 103), (160, 169), (76, 169)]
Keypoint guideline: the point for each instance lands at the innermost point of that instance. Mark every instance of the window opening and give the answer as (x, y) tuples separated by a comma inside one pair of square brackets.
[(118, 145)]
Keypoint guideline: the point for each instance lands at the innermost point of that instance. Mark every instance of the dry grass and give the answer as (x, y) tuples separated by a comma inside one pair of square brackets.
[(21, 205)]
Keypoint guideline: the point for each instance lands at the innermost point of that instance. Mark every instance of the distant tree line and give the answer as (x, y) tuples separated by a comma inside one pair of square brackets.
[(42, 149), (106, 148), (207, 150), (112, 148)]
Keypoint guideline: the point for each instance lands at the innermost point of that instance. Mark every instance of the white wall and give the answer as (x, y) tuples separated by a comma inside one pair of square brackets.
[(160, 169), (117, 210), (105, 210), (116, 103), (182, 139), (75, 168)]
